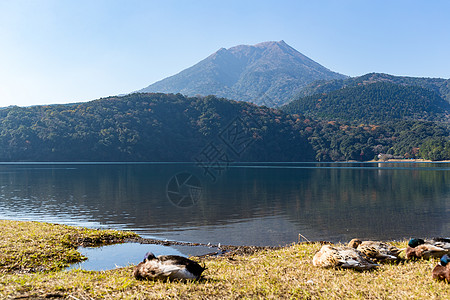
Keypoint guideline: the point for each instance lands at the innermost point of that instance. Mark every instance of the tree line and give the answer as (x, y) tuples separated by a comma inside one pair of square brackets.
[(173, 127)]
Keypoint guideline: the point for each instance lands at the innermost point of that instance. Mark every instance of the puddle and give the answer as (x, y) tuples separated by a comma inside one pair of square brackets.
[(122, 255)]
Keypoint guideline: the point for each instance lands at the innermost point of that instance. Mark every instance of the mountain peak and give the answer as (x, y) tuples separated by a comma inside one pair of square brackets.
[(271, 44), (263, 46), (267, 73)]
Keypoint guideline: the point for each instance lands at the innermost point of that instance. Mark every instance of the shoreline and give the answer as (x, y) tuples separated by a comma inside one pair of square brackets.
[(34, 254), (190, 162)]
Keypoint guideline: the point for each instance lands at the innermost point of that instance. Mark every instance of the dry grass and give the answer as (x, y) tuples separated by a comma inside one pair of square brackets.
[(283, 273)]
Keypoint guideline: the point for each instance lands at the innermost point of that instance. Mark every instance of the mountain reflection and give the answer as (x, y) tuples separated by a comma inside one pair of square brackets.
[(248, 204)]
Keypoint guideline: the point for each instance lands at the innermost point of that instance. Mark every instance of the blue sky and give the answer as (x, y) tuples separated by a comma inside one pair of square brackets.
[(60, 51)]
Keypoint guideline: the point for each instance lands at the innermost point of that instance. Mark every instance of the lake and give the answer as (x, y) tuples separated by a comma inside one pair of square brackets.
[(237, 204)]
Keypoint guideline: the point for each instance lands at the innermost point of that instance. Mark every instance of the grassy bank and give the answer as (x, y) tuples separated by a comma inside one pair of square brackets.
[(282, 273), (35, 246)]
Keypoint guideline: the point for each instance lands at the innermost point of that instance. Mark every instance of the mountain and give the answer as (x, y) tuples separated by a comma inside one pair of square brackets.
[(375, 103), (438, 85), (269, 74)]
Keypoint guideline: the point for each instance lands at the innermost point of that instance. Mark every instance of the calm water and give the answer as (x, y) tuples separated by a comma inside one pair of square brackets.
[(253, 204)]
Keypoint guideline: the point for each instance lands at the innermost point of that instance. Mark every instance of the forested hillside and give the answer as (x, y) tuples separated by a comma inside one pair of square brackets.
[(374, 103), (438, 85), (146, 127), (168, 127), (342, 141)]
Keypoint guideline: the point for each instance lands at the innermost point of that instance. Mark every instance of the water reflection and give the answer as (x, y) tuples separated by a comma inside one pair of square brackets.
[(259, 204)]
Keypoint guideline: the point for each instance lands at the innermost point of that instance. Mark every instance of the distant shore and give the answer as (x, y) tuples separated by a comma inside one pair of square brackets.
[(408, 160)]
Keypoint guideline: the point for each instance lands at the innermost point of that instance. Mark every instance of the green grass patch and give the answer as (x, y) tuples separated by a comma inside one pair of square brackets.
[(36, 246)]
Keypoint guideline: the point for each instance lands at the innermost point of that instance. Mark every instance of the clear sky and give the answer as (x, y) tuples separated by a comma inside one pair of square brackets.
[(60, 51)]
